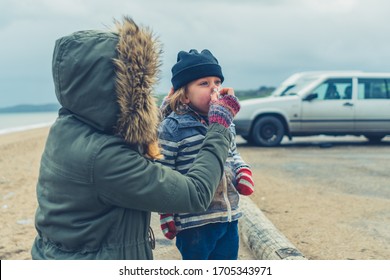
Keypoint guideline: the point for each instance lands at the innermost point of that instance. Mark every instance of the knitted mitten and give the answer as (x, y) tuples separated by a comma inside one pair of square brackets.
[(245, 185), (167, 224), (223, 110)]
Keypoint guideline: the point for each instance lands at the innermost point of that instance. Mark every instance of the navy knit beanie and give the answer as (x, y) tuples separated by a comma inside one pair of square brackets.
[(193, 65)]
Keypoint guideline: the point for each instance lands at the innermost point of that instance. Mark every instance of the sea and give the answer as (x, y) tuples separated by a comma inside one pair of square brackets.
[(13, 122)]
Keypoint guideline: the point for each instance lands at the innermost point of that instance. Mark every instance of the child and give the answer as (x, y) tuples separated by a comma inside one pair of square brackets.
[(212, 234)]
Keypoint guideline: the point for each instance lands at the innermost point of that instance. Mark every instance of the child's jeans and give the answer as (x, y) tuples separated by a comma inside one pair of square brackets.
[(217, 241)]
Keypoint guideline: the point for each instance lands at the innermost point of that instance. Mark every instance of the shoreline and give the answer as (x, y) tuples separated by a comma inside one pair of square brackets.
[(5, 131), (21, 121)]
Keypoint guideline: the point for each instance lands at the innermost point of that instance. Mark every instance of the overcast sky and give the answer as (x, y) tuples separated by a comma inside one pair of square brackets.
[(257, 42)]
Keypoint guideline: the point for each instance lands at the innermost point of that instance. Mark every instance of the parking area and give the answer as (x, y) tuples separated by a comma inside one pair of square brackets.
[(329, 195)]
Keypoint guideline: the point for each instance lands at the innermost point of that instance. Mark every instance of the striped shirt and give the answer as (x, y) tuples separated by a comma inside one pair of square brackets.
[(181, 137)]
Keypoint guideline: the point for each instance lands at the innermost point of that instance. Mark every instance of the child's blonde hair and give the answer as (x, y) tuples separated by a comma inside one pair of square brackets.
[(175, 101)]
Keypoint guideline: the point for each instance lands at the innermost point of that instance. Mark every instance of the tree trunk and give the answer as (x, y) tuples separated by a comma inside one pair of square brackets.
[(261, 236)]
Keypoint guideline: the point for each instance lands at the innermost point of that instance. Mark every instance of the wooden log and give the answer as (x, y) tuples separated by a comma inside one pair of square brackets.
[(261, 236)]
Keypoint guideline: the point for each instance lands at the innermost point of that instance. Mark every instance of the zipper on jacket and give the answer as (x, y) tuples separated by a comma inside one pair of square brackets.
[(225, 197)]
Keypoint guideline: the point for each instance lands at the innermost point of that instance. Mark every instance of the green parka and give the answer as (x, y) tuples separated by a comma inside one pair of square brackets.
[(96, 188)]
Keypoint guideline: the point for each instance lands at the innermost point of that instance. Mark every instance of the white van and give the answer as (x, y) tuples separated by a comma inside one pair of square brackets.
[(313, 103)]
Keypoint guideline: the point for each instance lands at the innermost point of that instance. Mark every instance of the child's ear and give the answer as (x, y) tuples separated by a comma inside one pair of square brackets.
[(185, 99)]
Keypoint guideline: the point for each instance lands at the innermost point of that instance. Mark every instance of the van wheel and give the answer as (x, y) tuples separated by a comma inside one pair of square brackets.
[(268, 131), (374, 138)]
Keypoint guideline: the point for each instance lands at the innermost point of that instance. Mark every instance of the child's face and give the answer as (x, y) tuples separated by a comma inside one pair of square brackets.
[(199, 92)]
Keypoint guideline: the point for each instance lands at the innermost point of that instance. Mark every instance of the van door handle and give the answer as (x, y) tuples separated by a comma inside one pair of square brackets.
[(348, 104)]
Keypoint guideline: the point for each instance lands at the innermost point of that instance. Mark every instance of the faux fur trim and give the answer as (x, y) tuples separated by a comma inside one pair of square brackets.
[(137, 71)]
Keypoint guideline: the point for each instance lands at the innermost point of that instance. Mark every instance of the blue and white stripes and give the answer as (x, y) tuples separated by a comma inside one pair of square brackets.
[(181, 137)]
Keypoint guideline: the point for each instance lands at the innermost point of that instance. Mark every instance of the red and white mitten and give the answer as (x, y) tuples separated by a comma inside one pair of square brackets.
[(167, 224), (245, 184)]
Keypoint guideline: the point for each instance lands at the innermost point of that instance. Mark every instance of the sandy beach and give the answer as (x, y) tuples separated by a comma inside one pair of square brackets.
[(19, 164), (319, 219), (20, 155)]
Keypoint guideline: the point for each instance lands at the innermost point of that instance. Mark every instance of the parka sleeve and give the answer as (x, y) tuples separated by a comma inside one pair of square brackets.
[(126, 179)]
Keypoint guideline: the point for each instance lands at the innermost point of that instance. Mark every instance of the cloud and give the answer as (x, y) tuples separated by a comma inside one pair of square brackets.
[(256, 42)]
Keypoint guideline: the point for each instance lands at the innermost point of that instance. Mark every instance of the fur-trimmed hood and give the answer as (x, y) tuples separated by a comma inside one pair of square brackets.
[(106, 80)]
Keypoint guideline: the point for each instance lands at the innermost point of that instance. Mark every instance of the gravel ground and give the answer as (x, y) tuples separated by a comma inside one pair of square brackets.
[(328, 195)]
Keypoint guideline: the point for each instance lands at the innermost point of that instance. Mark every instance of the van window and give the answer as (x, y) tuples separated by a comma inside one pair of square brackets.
[(334, 89), (373, 88)]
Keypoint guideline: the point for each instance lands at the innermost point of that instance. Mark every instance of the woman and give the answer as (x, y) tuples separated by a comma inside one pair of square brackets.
[(98, 180)]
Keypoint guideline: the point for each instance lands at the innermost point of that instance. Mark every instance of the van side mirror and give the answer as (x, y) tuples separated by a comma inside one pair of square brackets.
[(311, 96)]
